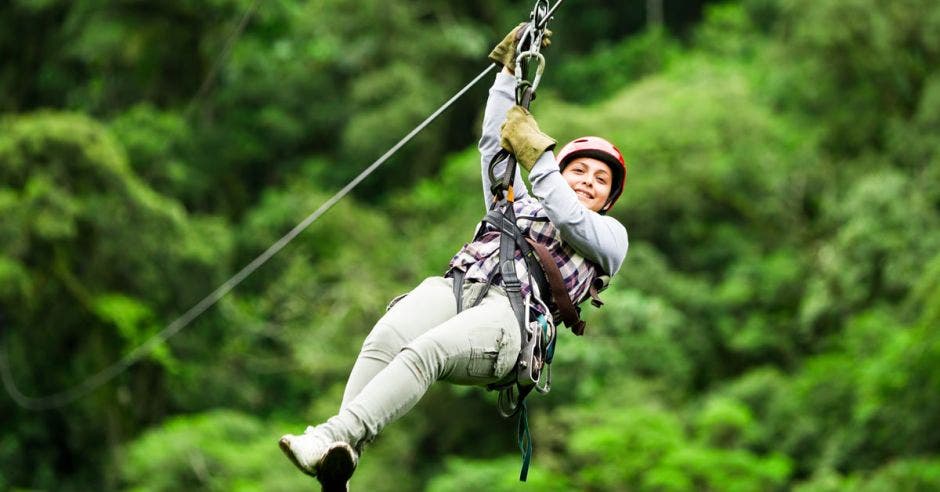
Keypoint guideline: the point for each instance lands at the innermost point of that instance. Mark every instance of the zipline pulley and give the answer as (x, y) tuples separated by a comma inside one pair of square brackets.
[(528, 51)]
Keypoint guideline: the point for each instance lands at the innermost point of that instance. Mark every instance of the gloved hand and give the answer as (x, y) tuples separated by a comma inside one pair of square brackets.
[(520, 135), (505, 52)]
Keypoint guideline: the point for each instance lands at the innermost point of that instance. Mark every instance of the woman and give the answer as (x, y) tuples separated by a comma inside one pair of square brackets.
[(423, 338)]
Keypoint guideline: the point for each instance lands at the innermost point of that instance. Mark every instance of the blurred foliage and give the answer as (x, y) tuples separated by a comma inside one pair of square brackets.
[(219, 450), (774, 326)]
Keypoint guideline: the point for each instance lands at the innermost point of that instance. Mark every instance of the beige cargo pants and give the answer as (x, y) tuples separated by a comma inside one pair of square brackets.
[(420, 340)]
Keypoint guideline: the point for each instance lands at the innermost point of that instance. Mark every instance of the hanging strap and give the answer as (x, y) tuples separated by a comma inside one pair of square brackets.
[(525, 441), (566, 308)]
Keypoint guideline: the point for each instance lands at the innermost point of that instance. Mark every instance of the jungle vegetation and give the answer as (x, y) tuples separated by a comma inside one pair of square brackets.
[(776, 325)]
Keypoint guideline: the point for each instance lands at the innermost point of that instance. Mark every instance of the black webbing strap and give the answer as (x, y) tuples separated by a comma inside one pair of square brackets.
[(497, 219), (460, 276), (507, 266), (458, 288)]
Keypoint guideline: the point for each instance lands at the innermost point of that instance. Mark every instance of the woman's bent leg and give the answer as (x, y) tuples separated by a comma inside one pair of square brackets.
[(428, 305), (478, 346)]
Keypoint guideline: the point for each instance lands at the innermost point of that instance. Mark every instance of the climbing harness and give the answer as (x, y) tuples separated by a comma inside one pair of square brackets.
[(527, 373)]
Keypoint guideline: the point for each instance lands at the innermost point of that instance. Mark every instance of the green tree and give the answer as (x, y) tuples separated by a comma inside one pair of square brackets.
[(97, 262)]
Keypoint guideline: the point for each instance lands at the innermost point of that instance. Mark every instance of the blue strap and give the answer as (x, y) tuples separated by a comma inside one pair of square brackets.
[(550, 350), (525, 441)]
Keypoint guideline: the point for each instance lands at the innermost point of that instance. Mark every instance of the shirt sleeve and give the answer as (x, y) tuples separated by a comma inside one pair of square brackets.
[(501, 99), (597, 237)]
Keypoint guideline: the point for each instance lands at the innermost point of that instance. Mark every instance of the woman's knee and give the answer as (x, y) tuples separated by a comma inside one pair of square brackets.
[(427, 358), (384, 342)]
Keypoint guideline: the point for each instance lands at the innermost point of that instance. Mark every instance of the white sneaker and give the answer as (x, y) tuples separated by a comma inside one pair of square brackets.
[(332, 462), (305, 450)]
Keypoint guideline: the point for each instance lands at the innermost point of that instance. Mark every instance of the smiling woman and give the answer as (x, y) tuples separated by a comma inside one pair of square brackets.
[(592, 166), (590, 179), (482, 323)]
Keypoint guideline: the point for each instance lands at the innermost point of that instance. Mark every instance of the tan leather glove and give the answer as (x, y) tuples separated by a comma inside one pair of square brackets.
[(505, 52), (520, 135)]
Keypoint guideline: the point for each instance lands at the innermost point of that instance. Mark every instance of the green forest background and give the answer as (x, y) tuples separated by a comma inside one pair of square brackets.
[(774, 327)]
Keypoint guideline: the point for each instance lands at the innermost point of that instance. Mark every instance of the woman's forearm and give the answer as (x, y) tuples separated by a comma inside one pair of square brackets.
[(501, 98)]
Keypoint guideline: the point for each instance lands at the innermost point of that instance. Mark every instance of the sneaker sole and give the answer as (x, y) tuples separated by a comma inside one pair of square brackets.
[(336, 468), (284, 444)]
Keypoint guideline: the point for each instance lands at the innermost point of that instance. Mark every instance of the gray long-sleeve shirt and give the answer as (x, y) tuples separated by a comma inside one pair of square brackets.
[(597, 237)]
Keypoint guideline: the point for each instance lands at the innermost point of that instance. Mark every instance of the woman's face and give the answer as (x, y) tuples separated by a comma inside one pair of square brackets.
[(590, 179)]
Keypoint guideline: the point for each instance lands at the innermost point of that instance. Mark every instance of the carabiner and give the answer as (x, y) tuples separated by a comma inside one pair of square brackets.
[(521, 72), (529, 47)]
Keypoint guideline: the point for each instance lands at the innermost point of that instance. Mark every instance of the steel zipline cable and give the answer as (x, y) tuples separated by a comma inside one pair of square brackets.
[(65, 397), (91, 383)]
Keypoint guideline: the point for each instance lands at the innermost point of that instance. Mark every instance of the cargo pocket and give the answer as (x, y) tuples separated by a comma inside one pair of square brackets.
[(508, 355), (482, 362)]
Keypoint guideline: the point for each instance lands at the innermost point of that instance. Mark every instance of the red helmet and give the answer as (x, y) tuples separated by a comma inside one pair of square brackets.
[(602, 150)]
